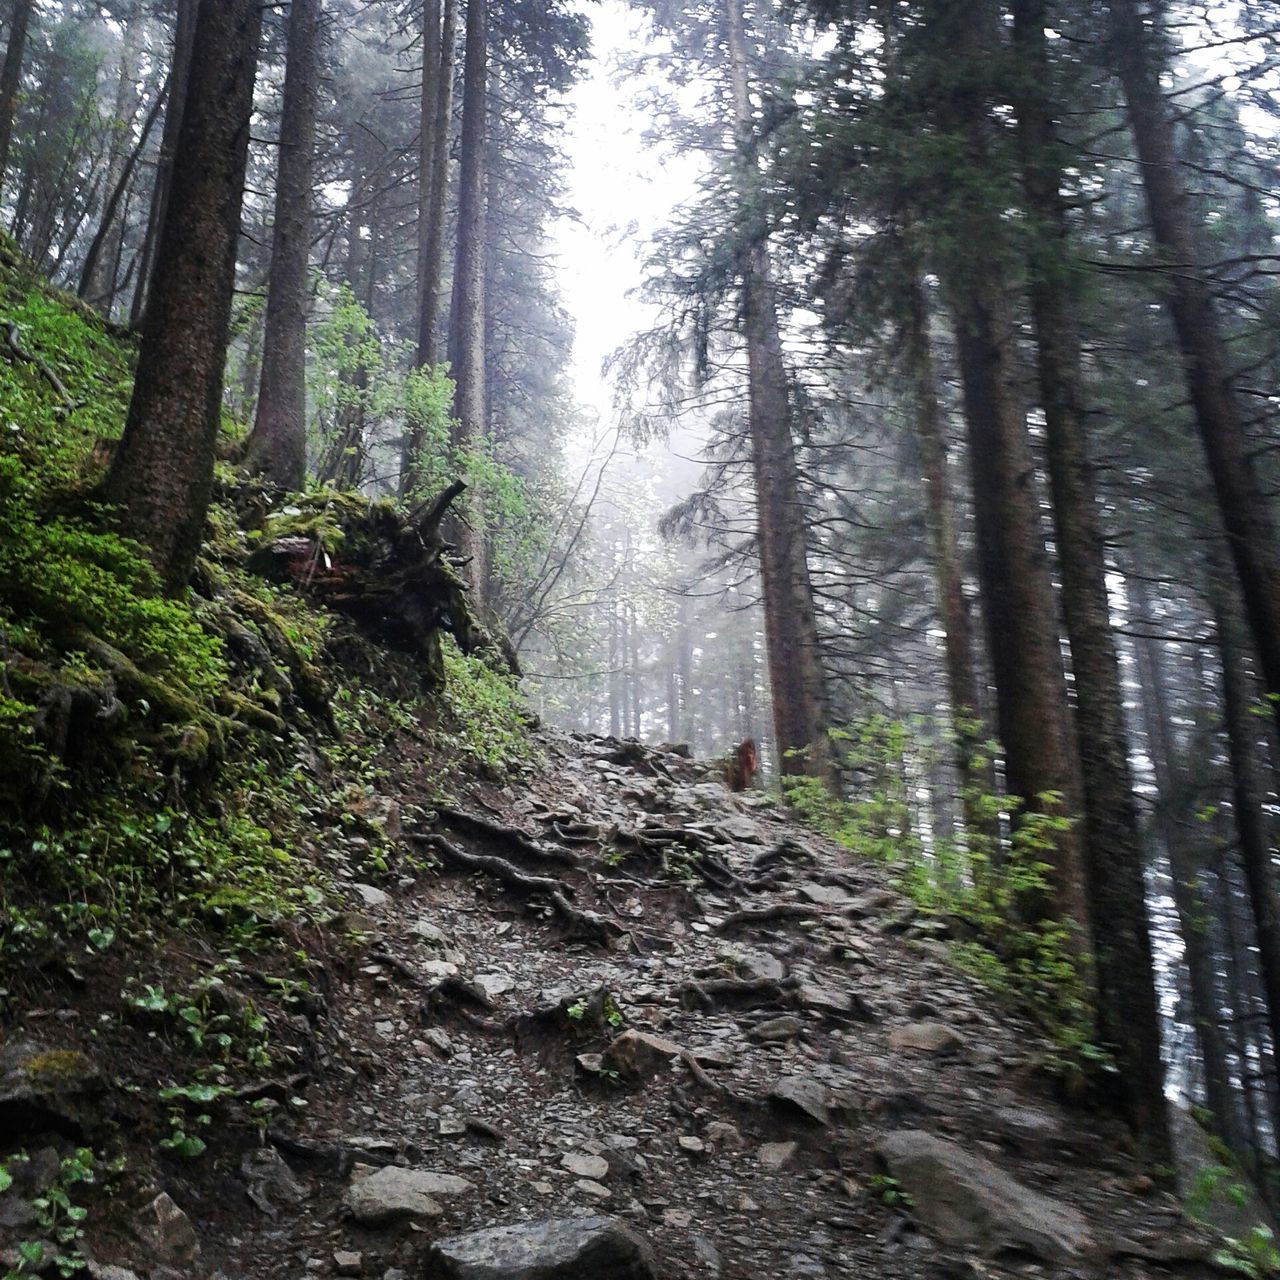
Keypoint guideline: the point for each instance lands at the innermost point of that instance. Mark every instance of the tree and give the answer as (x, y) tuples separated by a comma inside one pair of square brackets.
[(278, 444), (1129, 1020), (1250, 526), (175, 95), (162, 473), (11, 76), (466, 323)]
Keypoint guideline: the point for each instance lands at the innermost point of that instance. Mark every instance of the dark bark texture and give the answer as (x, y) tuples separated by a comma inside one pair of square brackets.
[(11, 76), (162, 472), (1128, 1015), (278, 445), (1251, 531), (467, 326), (791, 629)]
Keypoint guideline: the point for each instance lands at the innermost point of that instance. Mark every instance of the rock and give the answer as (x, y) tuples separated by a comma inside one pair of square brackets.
[(639, 1054), (46, 1088), (592, 1190), (928, 1037), (965, 1200), (597, 1248), (596, 1168), (757, 965), (776, 1030), (824, 895), (372, 897), (824, 999), (777, 1155), (429, 933), (494, 984), (167, 1234), (740, 828), (691, 1144), (269, 1181), (385, 1195), (871, 901), (810, 1097), (720, 1133), (706, 1253), (105, 1271), (438, 1038), (347, 1263), (438, 969)]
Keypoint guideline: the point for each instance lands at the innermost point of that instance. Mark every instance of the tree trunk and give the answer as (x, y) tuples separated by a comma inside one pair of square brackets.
[(1194, 914), (438, 41), (11, 77), (962, 679), (1128, 1014), (176, 97), (162, 473), (466, 326), (1248, 792), (796, 678), (97, 280), (278, 444), (1250, 529)]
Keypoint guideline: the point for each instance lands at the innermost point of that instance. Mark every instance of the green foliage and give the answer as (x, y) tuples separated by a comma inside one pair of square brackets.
[(58, 1216), (1254, 1255), (889, 1192), (993, 890), (485, 723)]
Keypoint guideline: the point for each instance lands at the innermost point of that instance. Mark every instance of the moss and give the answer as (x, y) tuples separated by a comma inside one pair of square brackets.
[(57, 1068)]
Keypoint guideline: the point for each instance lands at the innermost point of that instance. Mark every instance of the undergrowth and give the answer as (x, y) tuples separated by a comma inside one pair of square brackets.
[(984, 883), (180, 763)]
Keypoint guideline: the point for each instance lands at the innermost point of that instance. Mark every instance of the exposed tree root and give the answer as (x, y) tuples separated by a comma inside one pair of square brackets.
[(777, 911), (474, 823), (588, 925), (741, 993)]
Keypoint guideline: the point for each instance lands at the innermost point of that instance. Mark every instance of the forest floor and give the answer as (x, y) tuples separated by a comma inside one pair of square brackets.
[(721, 1031)]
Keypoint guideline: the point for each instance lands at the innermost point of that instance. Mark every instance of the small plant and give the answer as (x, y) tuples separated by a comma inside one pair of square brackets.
[(57, 1216), (889, 1192), (1254, 1255)]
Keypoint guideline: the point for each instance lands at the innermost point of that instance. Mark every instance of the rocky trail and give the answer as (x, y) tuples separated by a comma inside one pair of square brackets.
[(631, 1024)]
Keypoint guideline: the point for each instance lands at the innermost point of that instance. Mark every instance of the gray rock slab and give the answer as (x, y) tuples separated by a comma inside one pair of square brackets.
[(965, 1200), (594, 1248)]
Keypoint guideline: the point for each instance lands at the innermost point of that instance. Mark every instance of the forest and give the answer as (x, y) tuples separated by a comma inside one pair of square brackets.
[(445, 444)]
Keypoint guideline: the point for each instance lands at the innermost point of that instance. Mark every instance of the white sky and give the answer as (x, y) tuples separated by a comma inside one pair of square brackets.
[(623, 192)]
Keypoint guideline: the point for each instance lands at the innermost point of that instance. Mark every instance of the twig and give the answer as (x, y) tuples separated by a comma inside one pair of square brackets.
[(13, 335)]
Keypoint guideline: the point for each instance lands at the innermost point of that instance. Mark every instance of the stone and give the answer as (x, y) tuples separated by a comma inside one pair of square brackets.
[(776, 1030), (269, 1181), (386, 1195), (777, 1155), (824, 999), (348, 1263), (438, 1038), (871, 901), (166, 1233), (823, 895), (740, 828), (372, 897), (594, 1248), (967, 1201), (595, 1168), (105, 1271), (720, 1133), (639, 1054), (810, 1097), (691, 1144), (43, 1087), (429, 933), (927, 1037), (758, 965), (494, 984), (592, 1190)]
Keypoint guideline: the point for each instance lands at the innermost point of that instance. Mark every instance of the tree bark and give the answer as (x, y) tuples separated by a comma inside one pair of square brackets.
[(278, 444), (1248, 791), (11, 77), (796, 678), (962, 678), (467, 326), (439, 38), (1194, 913), (176, 97), (162, 473), (1250, 528), (1128, 1014), (97, 280)]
